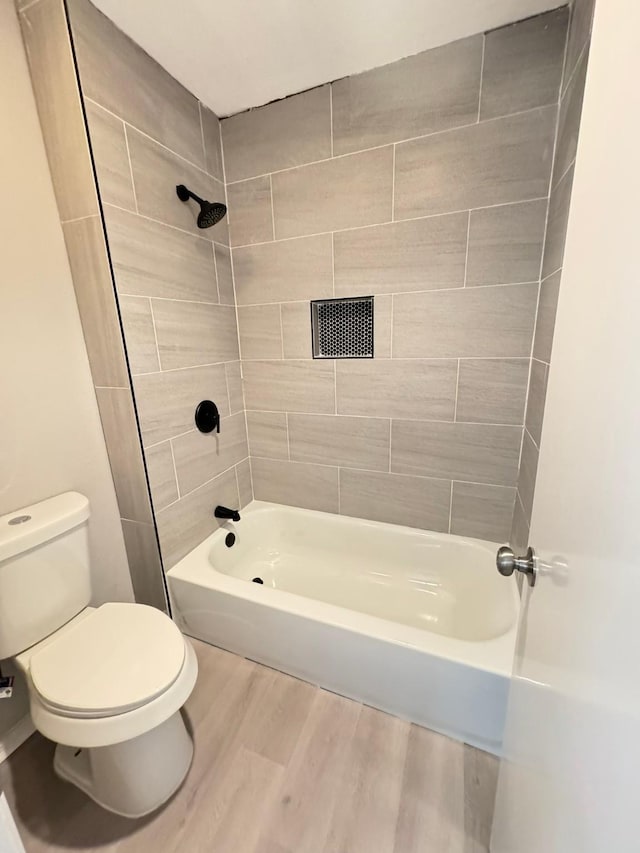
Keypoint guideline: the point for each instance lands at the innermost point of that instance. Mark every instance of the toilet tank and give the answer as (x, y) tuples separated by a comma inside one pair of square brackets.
[(44, 569)]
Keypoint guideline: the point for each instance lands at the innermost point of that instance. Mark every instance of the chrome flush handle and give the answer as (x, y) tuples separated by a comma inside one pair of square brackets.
[(508, 563)]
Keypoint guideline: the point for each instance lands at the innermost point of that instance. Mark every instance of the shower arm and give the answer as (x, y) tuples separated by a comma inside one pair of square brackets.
[(184, 194)]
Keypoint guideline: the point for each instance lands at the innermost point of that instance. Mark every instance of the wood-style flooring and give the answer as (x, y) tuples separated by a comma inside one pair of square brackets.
[(280, 766)]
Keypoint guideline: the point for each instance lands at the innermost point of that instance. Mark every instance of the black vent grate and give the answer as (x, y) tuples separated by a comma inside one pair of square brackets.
[(342, 328)]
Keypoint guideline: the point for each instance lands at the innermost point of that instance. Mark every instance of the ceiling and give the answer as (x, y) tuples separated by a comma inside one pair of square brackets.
[(244, 53)]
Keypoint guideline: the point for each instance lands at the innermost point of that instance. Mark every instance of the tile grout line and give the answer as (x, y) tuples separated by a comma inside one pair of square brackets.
[(273, 216), (200, 486), (488, 485), (554, 187), (235, 471), (191, 301), (192, 366), (384, 473), (379, 418), (123, 517), (484, 47), (226, 382), (540, 361), (155, 336), (78, 218), (388, 144), (549, 275), (171, 438), (390, 435), (450, 506), (286, 423), (251, 477), (519, 500), (281, 330), (215, 271), (153, 139), (248, 456), (157, 221), (25, 8), (133, 183), (521, 441), (455, 405), (331, 116), (393, 184), (434, 290), (175, 469), (112, 387), (564, 86), (531, 438), (333, 265), (189, 431), (387, 360), (454, 212), (204, 147), (310, 360), (466, 257)]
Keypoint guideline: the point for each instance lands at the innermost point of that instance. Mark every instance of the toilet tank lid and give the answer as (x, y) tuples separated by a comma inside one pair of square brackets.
[(33, 525)]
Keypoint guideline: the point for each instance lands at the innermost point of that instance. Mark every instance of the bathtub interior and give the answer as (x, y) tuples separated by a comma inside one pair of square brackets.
[(439, 583)]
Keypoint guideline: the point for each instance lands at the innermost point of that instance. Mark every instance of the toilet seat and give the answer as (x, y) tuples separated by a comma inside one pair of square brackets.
[(78, 731), (117, 659)]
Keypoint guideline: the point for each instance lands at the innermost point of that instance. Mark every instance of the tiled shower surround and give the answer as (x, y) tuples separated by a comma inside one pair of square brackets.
[(174, 280), (424, 183)]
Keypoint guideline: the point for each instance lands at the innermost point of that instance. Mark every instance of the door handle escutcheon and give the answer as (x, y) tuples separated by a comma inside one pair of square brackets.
[(508, 563)]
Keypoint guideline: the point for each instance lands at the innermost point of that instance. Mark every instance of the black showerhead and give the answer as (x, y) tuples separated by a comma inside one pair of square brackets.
[(210, 211)]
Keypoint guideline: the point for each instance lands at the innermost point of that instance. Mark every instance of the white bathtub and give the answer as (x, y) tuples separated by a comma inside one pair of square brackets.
[(415, 623)]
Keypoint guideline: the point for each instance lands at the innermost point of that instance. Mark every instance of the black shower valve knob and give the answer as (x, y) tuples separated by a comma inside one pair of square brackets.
[(207, 416)]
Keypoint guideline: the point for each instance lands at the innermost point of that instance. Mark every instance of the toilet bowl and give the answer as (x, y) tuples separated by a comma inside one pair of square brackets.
[(106, 684), (107, 687)]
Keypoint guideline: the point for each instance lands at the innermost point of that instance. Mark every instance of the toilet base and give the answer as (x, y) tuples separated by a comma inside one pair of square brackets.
[(135, 777)]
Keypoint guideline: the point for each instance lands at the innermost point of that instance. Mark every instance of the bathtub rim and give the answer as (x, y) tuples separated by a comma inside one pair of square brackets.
[(495, 655)]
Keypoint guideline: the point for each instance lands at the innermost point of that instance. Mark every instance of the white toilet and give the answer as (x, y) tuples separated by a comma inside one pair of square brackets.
[(106, 684)]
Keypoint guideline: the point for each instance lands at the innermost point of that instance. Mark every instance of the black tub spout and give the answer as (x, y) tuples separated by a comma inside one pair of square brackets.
[(226, 513)]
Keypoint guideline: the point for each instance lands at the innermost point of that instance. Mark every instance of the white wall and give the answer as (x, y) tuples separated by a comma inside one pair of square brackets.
[(233, 56), (50, 434)]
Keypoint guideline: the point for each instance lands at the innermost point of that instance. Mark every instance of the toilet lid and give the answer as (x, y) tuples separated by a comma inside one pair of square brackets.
[(118, 658)]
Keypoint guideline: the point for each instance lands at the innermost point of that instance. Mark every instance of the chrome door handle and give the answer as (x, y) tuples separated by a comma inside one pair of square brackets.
[(508, 563)]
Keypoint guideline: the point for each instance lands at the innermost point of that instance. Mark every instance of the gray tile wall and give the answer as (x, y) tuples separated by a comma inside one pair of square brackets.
[(572, 91), (434, 198), (174, 281), (425, 183), (46, 37)]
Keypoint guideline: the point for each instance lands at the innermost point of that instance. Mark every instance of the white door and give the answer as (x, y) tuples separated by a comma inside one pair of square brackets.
[(570, 782)]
